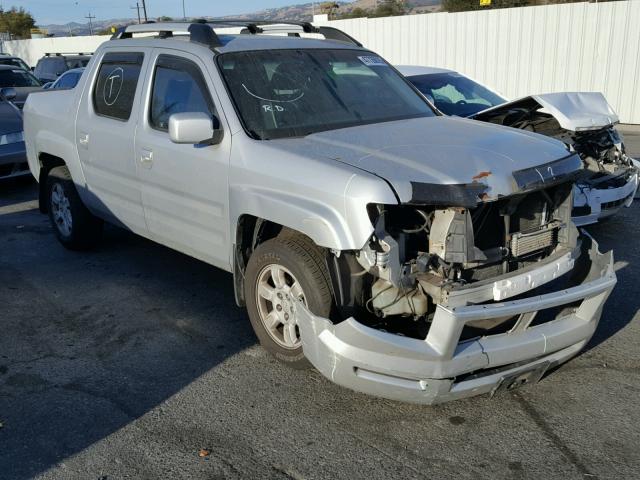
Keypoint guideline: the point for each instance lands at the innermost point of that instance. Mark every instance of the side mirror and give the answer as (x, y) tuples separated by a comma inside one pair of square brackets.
[(193, 128), (9, 93)]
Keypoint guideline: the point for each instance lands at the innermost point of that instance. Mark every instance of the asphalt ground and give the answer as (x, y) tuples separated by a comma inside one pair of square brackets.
[(133, 362)]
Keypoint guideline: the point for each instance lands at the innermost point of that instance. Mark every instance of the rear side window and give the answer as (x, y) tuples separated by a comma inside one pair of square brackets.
[(115, 87), (178, 87), (50, 67)]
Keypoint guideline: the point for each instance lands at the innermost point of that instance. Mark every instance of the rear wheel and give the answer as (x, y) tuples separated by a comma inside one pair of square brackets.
[(75, 227), (282, 272)]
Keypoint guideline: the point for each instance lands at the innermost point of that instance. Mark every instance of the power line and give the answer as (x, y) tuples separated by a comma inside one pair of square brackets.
[(90, 17), (144, 11), (137, 8)]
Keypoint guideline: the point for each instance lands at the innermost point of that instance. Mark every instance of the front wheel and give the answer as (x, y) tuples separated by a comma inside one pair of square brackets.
[(75, 227), (282, 272)]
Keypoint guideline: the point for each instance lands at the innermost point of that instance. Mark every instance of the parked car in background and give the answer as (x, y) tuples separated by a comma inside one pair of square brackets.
[(583, 120), (51, 66), (13, 62), (67, 80), (13, 158), (22, 82)]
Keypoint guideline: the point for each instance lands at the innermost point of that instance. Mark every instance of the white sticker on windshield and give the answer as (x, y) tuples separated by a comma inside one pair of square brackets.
[(373, 61)]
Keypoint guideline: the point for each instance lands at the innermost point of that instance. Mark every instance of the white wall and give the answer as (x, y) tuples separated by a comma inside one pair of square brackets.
[(522, 51), (515, 51), (32, 50)]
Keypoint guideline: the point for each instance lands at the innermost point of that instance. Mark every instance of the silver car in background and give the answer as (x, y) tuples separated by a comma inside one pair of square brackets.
[(583, 120)]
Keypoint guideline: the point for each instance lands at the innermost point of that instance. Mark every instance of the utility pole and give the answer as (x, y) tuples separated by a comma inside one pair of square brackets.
[(184, 15), (144, 11), (137, 8), (90, 17)]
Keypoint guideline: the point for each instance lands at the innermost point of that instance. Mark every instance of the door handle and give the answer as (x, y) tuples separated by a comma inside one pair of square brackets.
[(83, 139), (146, 158)]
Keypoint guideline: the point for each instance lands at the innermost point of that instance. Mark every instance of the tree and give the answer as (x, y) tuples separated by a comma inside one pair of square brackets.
[(389, 8), (355, 13), (164, 18), (329, 8), (466, 5), (17, 22)]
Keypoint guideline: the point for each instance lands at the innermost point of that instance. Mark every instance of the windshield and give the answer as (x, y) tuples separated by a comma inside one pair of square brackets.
[(14, 62), (455, 94), (17, 78), (292, 93)]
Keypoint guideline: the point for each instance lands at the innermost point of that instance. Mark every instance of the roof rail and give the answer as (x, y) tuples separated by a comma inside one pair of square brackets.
[(283, 26), (202, 31), (59, 54), (198, 32)]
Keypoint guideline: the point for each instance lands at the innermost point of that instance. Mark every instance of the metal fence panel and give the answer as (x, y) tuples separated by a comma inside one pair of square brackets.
[(522, 51)]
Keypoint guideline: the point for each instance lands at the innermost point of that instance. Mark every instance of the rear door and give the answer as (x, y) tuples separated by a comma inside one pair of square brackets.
[(105, 135), (184, 187)]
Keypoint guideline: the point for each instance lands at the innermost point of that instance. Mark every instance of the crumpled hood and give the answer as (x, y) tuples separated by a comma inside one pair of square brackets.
[(573, 110), (10, 118), (433, 150)]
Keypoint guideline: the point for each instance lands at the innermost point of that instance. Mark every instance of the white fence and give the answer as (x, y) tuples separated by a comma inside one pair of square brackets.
[(522, 51), (515, 51), (31, 50)]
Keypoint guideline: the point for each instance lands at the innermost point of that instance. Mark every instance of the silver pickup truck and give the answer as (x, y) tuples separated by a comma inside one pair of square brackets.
[(402, 253)]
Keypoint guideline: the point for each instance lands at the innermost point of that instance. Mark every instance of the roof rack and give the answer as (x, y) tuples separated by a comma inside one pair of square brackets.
[(203, 31), (59, 54)]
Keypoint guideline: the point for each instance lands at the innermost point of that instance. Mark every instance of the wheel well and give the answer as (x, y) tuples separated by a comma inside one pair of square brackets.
[(346, 282), (47, 163), (251, 231)]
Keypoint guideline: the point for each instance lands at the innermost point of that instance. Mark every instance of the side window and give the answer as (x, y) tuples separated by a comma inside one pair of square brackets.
[(178, 86), (115, 87)]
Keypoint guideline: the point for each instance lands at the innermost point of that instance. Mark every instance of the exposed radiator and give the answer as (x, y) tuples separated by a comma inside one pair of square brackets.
[(524, 243)]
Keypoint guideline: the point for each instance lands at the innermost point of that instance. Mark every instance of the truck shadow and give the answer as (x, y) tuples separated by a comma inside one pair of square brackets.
[(93, 341), (619, 234)]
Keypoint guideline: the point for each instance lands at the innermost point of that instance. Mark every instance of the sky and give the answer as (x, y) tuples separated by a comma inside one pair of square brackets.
[(63, 11)]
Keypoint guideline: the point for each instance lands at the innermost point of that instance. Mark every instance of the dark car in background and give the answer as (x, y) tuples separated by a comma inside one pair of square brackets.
[(51, 66), (13, 158), (13, 61), (21, 83)]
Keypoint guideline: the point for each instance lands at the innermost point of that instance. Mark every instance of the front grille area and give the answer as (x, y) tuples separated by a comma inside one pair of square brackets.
[(523, 225), (524, 243)]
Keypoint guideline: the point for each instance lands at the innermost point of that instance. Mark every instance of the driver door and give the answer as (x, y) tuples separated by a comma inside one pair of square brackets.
[(184, 187)]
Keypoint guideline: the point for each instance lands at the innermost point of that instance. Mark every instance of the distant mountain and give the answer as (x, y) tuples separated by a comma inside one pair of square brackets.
[(292, 12), (77, 29)]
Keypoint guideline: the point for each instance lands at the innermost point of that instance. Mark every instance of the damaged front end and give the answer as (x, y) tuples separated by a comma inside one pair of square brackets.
[(446, 302), (585, 122)]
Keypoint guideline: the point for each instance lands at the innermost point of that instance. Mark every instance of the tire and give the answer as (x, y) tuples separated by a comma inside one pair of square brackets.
[(75, 227), (301, 262)]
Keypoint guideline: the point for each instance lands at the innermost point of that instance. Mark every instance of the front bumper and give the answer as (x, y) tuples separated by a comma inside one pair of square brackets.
[(13, 160), (441, 367), (600, 203)]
